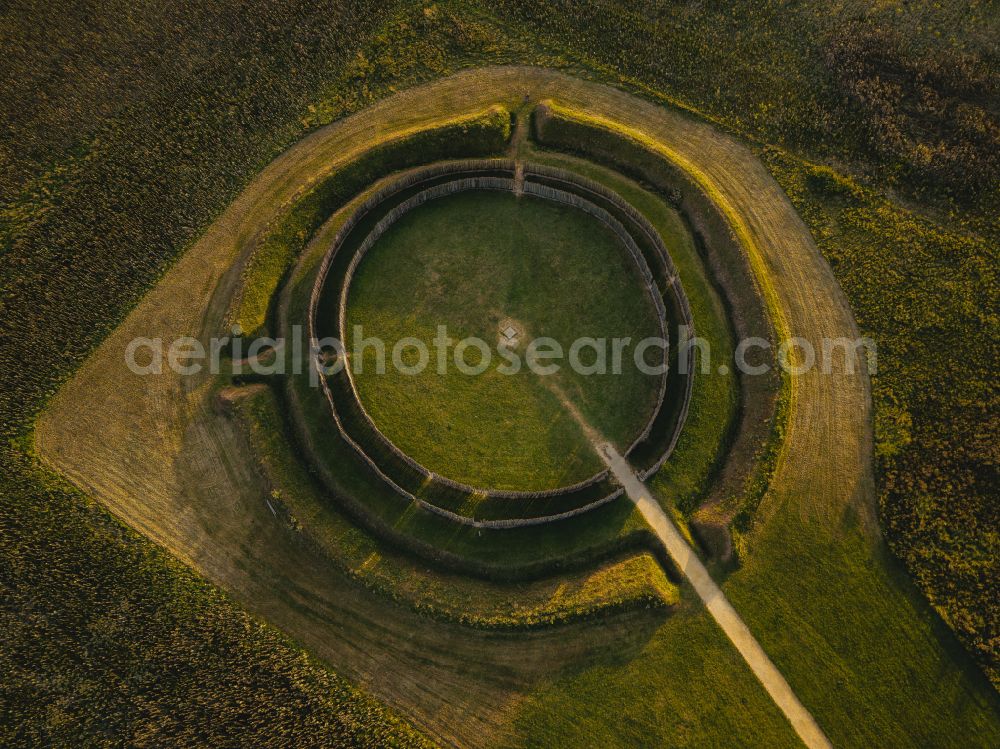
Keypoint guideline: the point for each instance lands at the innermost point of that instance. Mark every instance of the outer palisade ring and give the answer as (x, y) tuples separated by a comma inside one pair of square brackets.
[(648, 450)]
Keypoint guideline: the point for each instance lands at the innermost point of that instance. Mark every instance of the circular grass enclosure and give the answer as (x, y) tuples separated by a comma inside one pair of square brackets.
[(485, 263)]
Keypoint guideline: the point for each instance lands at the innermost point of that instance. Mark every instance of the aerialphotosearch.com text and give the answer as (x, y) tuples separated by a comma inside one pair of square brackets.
[(509, 354)]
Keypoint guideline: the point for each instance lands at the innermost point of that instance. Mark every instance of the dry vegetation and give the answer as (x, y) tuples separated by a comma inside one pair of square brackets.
[(128, 128)]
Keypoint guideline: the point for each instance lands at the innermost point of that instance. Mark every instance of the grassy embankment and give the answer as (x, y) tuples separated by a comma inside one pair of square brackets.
[(533, 546), (494, 554), (887, 706), (500, 554)]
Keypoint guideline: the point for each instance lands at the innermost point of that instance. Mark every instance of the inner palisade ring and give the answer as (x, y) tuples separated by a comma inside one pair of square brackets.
[(477, 319)]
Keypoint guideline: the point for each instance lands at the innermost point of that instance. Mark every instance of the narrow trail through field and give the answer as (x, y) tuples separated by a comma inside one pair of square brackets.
[(715, 601), (711, 594)]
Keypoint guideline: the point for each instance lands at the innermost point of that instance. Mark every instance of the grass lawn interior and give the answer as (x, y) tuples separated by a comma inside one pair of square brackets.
[(482, 263)]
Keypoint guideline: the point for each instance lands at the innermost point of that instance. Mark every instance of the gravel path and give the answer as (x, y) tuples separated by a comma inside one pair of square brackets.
[(716, 603)]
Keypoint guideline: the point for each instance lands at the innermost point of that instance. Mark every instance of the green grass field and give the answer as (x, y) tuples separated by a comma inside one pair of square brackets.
[(170, 573), (913, 675), (476, 263), (505, 553)]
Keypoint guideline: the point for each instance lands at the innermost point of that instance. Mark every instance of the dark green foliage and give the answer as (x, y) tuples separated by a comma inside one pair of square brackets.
[(938, 115), (126, 129), (900, 91)]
